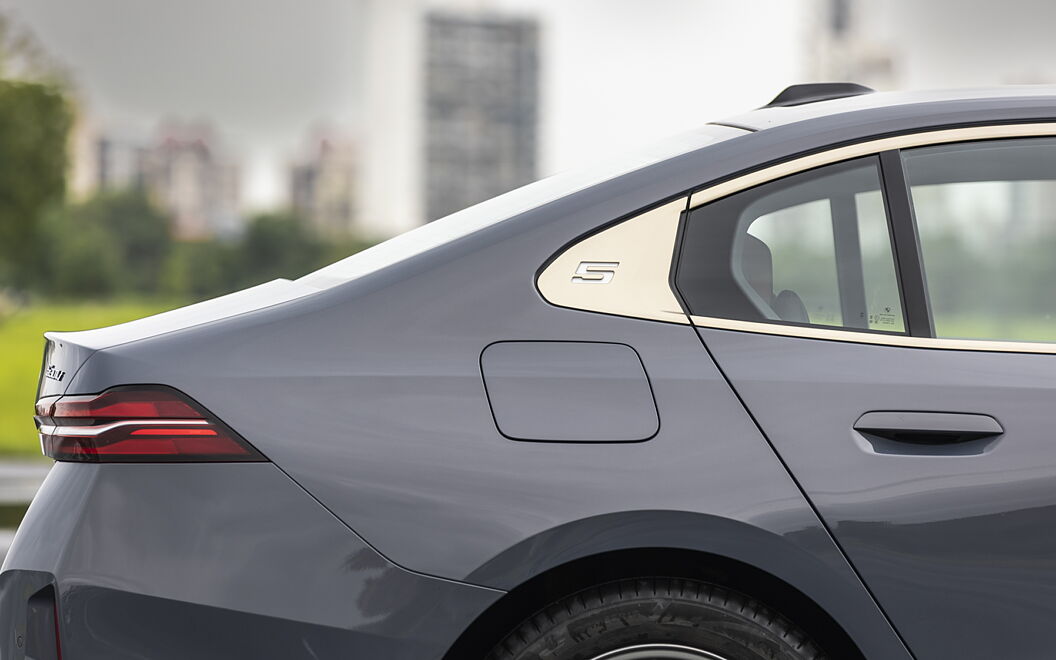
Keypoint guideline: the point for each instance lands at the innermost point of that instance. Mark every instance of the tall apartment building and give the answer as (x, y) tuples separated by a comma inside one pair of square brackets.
[(183, 170), (481, 108), (120, 163), (909, 44), (323, 185), (451, 109), (846, 44)]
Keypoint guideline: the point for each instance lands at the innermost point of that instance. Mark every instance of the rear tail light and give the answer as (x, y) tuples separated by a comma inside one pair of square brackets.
[(136, 424)]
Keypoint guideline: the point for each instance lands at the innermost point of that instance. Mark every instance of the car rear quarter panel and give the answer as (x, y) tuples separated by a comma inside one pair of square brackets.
[(216, 561)]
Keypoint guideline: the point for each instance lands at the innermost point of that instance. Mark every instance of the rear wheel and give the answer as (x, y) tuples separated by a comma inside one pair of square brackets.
[(657, 619)]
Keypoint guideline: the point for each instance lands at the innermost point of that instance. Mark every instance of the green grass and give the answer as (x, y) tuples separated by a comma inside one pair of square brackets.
[(21, 351), (11, 515), (1010, 328)]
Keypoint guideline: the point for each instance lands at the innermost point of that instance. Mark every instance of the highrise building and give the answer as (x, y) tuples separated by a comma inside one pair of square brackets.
[(188, 177), (119, 163), (481, 108), (323, 184), (909, 44), (183, 171), (845, 45), (451, 109)]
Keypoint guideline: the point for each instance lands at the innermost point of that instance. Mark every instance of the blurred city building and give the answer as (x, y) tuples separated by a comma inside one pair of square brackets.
[(481, 108), (908, 44), (451, 109), (323, 184), (447, 96), (189, 177), (845, 47), (183, 170), (120, 163)]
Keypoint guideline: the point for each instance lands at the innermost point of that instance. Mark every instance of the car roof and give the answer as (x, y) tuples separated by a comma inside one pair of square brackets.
[(771, 116)]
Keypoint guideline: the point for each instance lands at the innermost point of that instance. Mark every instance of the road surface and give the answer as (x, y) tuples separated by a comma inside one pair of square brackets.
[(19, 480)]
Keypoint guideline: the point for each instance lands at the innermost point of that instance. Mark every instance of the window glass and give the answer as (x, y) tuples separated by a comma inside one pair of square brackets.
[(883, 310), (986, 217), (812, 248), (803, 257)]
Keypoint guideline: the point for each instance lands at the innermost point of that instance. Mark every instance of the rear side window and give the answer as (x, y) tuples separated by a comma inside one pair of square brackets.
[(809, 249), (986, 217)]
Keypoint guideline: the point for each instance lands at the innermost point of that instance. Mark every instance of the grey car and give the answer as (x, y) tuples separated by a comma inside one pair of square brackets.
[(779, 388)]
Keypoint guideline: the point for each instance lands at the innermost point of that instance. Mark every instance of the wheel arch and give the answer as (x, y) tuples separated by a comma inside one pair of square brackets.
[(585, 553)]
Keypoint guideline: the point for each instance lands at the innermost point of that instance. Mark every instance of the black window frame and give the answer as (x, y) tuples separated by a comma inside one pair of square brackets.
[(905, 251), (905, 243)]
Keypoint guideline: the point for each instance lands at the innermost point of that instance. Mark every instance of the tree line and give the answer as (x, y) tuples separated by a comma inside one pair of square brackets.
[(120, 244), (116, 242)]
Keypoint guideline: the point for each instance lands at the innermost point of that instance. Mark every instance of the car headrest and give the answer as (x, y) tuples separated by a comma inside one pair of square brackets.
[(789, 307), (757, 266)]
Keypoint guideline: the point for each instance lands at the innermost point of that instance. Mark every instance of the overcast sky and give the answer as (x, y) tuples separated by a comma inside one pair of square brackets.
[(616, 72), (262, 76)]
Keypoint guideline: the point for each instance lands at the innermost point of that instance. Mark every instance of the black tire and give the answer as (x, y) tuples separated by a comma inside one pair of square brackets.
[(657, 611)]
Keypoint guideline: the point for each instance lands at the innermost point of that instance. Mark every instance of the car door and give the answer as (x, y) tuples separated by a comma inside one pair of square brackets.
[(888, 320)]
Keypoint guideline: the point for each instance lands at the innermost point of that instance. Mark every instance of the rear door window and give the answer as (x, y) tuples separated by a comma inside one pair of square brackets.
[(986, 218), (809, 249)]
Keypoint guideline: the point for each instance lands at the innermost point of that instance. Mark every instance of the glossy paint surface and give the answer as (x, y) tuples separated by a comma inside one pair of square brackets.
[(396, 438), (178, 561), (561, 391), (959, 548)]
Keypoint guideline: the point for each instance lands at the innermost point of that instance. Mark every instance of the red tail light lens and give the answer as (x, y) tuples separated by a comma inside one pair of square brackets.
[(136, 425)]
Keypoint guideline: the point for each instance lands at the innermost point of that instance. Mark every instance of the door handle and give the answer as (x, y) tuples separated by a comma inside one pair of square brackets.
[(928, 429)]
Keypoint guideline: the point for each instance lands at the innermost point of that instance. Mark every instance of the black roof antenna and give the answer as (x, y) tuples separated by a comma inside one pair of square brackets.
[(813, 92)]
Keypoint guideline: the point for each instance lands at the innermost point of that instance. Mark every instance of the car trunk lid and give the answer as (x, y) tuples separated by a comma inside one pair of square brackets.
[(66, 352)]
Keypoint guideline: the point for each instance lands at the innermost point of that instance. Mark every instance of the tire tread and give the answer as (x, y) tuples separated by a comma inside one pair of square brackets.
[(537, 626)]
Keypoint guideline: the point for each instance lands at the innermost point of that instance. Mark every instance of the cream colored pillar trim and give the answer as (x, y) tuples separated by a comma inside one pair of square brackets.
[(620, 270)]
